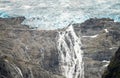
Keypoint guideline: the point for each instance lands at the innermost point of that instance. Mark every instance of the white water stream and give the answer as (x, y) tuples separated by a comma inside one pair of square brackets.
[(70, 54)]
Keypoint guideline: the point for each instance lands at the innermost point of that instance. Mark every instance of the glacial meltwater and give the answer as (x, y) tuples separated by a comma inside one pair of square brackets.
[(53, 14), (70, 54), (56, 14)]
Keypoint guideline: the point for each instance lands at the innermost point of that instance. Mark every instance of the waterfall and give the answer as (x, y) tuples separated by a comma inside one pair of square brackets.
[(70, 54)]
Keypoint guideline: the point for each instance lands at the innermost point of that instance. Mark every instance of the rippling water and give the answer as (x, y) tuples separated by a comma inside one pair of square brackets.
[(52, 14)]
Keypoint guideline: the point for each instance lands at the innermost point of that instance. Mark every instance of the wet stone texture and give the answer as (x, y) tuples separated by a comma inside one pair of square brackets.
[(29, 53)]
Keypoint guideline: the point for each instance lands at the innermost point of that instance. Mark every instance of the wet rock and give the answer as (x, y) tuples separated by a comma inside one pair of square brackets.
[(113, 69), (32, 53), (100, 39)]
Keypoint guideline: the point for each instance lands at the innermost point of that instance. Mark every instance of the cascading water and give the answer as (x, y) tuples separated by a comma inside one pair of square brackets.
[(70, 54)]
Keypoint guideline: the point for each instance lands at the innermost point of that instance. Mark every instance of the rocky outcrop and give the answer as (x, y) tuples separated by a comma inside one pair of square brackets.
[(100, 39), (27, 53), (113, 69), (30, 53)]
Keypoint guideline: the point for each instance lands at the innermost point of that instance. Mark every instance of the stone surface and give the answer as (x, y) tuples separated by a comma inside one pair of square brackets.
[(99, 45), (113, 69), (30, 53)]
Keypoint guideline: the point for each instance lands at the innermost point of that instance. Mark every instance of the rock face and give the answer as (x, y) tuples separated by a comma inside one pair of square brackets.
[(113, 69), (29, 53), (100, 39)]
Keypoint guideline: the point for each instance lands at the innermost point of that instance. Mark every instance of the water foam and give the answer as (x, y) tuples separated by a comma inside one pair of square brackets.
[(70, 54), (52, 14)]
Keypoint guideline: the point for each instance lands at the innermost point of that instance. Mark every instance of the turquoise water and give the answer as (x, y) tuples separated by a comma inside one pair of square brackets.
[(52, 14), (4, 14)]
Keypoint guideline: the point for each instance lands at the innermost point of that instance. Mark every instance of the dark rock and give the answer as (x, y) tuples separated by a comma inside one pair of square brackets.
[(30, 53), (12, 20), (34, 52), (99, 49), (113, 69)]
